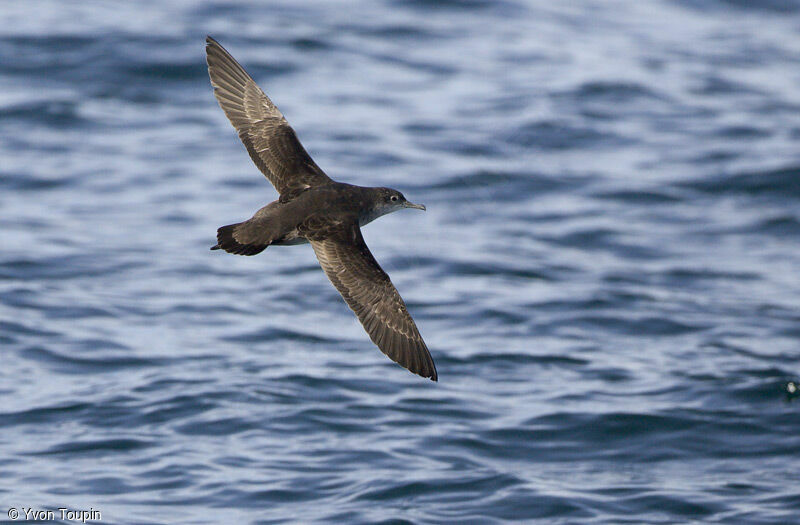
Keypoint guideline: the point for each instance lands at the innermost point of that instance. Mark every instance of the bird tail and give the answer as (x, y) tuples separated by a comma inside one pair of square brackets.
[(226, 240)]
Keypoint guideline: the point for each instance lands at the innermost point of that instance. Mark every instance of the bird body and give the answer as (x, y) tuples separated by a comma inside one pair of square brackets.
[(287, 223), (313, 208)]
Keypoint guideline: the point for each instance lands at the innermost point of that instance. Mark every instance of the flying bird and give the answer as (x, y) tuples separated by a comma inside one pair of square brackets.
[(315, 209)]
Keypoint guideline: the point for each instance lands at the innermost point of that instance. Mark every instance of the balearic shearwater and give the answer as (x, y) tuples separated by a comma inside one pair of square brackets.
[(315, 208)]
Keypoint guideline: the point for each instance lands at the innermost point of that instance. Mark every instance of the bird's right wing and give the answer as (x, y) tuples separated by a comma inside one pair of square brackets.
[(268, 137), (369, 292)]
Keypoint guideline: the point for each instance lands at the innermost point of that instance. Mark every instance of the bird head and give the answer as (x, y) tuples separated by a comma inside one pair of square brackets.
[(392, 200)]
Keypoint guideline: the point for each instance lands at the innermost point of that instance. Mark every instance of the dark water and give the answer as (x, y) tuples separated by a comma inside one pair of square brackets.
[(607, 274)]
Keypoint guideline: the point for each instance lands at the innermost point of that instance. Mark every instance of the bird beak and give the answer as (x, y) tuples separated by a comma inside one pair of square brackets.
[(415, 206)]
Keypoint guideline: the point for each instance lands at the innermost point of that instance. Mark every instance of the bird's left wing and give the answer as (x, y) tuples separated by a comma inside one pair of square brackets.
[(369, 292), (268, 137)]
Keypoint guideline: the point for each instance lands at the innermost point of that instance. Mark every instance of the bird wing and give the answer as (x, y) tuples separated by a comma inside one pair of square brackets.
[(268, 137), (369, 292)]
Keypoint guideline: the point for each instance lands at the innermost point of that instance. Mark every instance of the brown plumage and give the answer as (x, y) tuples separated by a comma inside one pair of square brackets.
[(269, 139), (314, 208)]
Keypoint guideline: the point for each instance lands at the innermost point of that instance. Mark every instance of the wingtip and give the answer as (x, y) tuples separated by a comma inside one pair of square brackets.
[(431, 369), (427, 374), (424, 374)]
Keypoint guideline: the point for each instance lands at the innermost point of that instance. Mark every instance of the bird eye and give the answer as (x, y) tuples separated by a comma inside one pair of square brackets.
[(393, 198)]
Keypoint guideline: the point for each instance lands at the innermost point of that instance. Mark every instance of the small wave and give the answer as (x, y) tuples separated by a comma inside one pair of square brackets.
[(65, 267), (31, 182), (491, 268), (76, 365), (641, 196), (779, 226), (605, 239), (59, 114), (555, 135), (49, 415), (743, 132), (719, 86), (515, 359), (216, 427), (277, 334), (687, 276), (94, 448), (640, 326), (617, 92), (507, 186), (460, 6), (477, 487), (767, 6), (781, 182), (15, 328)]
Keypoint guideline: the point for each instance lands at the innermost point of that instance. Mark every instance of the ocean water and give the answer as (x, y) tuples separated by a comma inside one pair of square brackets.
[(608, 274)]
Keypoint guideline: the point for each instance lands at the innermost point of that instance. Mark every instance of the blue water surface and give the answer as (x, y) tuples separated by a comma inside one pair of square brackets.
[(608, 274)]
